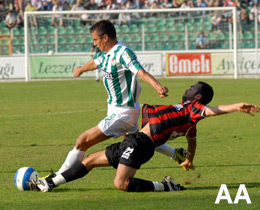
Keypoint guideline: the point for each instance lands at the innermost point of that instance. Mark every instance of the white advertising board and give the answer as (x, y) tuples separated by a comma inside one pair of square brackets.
[(62, 66), (12, 68), (152, 63), (223, 63)]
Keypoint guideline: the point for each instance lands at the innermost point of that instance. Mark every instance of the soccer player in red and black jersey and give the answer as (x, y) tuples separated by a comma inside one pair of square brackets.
[(160, 124)]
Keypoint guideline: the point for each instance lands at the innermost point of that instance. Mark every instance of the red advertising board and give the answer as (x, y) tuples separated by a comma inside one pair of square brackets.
[(180, 64)]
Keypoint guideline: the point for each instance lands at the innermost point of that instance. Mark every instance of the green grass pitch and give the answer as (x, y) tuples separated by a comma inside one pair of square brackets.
[(40, 122)]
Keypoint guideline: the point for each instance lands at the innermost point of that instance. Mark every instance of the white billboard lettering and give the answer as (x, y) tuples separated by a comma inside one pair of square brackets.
[(205, 64), (12, 68), (196, 66), (184, 66), (189, 64), (173, 64), (151, 63)]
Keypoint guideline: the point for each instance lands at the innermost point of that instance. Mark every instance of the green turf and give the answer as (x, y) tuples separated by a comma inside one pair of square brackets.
[(40, 122)]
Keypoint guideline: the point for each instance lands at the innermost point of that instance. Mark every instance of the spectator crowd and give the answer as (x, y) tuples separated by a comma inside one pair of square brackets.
[(12, 11)]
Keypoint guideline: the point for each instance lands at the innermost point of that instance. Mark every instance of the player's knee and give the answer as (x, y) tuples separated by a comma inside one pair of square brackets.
[(88, 162), (121, 185)]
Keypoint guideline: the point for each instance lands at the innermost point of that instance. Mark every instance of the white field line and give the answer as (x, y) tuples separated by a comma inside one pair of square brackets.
[(51, 113)]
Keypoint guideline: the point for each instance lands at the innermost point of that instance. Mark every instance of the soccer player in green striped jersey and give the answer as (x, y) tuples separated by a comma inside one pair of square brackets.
[(128, 156), (121, 69)]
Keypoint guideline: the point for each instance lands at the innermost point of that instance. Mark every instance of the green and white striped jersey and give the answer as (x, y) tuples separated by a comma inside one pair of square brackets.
[(119, 67)]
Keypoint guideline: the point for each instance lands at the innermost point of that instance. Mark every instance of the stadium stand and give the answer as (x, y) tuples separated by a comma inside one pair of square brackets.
[(42, 40), (16, 32), (50, 30), (169, 29), (42, 30), (137, 38)]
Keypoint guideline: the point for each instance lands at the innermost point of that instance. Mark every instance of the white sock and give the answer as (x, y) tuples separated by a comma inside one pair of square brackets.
[(73, 157), (166, 150), (97, 74), (59, 179), (158, 186)]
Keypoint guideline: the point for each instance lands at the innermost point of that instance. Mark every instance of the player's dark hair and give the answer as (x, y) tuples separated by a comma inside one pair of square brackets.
[(103, 27), (207, 93)]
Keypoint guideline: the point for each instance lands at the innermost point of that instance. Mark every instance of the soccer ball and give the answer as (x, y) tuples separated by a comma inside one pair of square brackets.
[(50, 52), (22, 175)]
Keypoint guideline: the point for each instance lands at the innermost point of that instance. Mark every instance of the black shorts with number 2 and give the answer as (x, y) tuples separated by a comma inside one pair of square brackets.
[(133, 151)]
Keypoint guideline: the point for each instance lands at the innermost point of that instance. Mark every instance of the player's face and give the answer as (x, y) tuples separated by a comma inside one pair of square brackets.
[(99, 41), (190, 94)]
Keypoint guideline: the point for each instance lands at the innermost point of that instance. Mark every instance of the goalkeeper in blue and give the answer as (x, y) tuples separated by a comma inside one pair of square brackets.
[(160, 123)]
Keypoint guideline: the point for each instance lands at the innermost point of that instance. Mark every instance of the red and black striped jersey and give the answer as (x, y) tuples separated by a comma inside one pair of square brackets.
[(172, 121)]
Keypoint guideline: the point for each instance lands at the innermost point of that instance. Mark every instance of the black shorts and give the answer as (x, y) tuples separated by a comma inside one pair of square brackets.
[(134, 151)]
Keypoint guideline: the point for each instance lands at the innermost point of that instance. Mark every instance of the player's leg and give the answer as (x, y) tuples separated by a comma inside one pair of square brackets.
[(166, 150), (115, 124), (124, 180), (89, 138), (85, 140), (77, 171), (177, 154), (97, 159), (97, 75), (136, 150), (123, 175), (81, 169)]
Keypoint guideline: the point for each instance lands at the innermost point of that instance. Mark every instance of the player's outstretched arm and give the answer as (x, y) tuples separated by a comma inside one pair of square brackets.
[(148, 78), (89, 66), (188, 163), (224, 109)]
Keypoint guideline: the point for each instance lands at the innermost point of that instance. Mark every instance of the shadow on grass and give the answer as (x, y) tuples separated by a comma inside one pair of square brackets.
[(206, 166), (154, 168), (36, 145), (229, 185), (58, 190), (234, 165)]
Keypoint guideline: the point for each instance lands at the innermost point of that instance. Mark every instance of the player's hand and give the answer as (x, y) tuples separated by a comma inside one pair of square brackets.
[(187, 165), (77, 71), (247, 108), (163, 92)]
